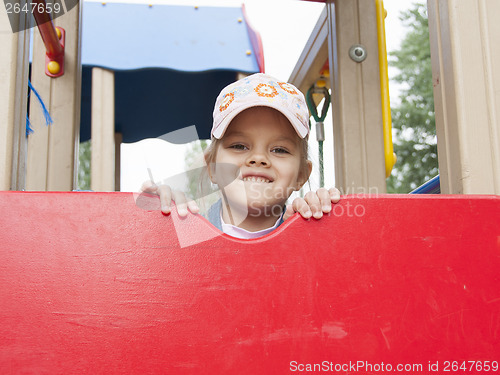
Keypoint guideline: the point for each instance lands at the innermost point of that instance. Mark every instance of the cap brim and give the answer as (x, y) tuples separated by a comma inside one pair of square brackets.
[(296, 123)]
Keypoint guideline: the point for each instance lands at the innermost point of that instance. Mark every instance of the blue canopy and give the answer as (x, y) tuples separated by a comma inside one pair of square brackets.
[(170, 63)]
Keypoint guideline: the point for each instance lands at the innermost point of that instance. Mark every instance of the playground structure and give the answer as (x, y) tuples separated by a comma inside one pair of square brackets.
[(124, 77), (96, 284), (464, 46)]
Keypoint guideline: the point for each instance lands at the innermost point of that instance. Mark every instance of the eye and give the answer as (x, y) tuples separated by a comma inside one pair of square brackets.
[(238, 146), (280, 150)]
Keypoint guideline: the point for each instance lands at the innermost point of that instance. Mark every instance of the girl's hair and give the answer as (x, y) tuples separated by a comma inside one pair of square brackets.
[(206, 188), (211, 151)]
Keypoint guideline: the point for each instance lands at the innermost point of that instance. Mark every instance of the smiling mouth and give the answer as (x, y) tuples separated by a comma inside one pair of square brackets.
[(257, 179)]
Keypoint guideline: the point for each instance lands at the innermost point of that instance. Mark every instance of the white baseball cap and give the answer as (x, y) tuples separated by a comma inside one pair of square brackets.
[(259, 90)]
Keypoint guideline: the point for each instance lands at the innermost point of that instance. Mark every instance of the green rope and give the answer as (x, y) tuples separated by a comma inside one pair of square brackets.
[(310, 102), (319, 123), (321, 171)]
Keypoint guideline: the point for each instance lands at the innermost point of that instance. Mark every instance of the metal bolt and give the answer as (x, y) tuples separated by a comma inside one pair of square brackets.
[(357, 52), (320, 131)]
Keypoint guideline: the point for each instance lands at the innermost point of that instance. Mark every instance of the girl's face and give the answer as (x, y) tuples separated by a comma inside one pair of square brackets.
[(266, 152)]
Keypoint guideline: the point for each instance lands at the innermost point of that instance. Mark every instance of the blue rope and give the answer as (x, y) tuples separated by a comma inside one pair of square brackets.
[(29, 129), (46, 114)]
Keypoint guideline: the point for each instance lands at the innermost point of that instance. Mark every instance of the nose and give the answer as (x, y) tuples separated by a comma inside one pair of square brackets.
[(258, 158)]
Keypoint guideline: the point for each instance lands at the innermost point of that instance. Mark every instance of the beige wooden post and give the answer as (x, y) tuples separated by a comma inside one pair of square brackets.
[(14, 61), (465, 53), (103, 130), (52, 149), (356, 101), (313, 57)]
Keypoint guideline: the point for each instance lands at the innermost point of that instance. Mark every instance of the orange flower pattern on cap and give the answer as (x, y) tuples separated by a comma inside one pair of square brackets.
[(265, 90), (260, 90), (288, 88), (228, 99)]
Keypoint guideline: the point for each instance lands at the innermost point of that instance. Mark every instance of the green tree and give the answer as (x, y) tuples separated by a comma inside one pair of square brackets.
[(84, 154), (413, 119), (193, 160), (199, 187)]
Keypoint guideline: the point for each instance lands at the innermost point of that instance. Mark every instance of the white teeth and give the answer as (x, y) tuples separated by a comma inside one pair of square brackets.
[(256, 179)]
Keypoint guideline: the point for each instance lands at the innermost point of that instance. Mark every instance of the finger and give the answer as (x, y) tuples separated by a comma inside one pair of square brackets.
[(149, 187), (180, 202), (314, 203), (165, 194), (288, 212), (300, 205), (334, 195), (193, 207), (324, 199)]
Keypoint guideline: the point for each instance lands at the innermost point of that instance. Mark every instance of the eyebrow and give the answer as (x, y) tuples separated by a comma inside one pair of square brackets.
[(279, 139), (238, 134)]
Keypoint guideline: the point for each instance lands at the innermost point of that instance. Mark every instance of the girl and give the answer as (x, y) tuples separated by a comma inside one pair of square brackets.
[(258, 157)]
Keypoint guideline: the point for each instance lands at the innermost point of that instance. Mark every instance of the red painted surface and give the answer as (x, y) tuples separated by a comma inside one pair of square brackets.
[(90, 283)]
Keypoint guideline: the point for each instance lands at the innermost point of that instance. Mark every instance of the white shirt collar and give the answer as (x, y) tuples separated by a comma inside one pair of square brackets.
[(237, 232)]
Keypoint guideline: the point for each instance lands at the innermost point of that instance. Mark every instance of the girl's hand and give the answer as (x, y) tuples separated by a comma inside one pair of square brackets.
[(314, 204), (167, 195)]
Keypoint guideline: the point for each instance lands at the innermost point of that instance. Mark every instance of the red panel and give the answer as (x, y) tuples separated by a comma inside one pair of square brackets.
[(90, 283), (256, 41)]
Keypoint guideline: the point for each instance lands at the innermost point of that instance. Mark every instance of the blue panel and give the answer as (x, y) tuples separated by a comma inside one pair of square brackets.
[(134, 36), (170, 63), (433, 186), (152, 102)]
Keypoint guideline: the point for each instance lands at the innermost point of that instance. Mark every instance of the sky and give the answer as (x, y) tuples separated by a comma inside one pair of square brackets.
[(285, 27)]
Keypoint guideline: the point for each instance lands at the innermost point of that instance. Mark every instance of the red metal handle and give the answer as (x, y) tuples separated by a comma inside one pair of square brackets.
[(54, 44)]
